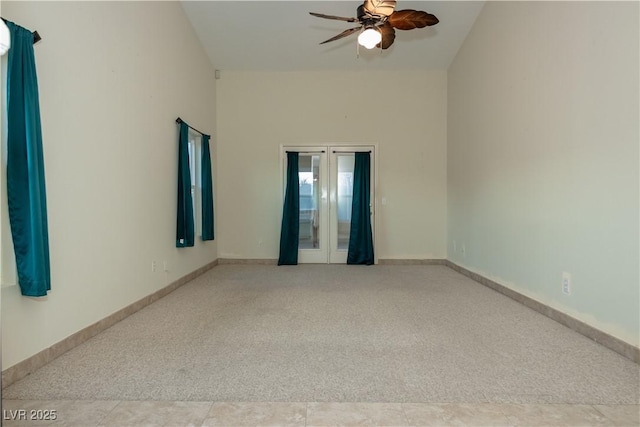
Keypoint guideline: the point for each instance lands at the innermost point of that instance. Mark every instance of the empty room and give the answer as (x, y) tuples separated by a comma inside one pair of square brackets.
[(320, 213)]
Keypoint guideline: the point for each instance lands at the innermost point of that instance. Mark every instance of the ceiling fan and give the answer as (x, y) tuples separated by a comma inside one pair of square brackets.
[(378, 20)]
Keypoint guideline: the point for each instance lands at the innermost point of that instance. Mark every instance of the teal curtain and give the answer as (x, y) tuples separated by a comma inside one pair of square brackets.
[(26, 190), (290, 230), (184, 228), (361, 238), (207, 190)]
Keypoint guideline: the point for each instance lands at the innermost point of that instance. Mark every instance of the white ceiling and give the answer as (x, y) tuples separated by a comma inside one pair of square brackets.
[(263, 35)]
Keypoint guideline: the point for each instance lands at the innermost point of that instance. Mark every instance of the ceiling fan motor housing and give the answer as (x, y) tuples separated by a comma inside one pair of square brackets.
[(367, 19)]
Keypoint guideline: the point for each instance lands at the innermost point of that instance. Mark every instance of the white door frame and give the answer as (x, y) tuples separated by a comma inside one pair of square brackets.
[(323, 253)]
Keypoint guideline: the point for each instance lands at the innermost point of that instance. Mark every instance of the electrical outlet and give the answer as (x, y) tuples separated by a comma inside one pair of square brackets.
[(566, 283), (463, 250), (153, 266)]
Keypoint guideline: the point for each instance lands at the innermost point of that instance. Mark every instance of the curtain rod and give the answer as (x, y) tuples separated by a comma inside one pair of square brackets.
[(312, 152), (36, 36), (351, 152), (179, 120)]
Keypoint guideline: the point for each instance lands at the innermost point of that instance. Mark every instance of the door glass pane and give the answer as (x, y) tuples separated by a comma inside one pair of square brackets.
[(309, 169), (345, 196)]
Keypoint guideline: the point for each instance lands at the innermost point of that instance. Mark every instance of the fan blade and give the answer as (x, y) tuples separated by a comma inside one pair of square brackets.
[(339, 18), (380, 7), (345, 33), (388, 35), (409, 19)]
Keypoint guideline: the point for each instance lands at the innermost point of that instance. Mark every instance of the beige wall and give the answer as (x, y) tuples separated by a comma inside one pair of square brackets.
[(404, 113), (543, 173), (113, 76)]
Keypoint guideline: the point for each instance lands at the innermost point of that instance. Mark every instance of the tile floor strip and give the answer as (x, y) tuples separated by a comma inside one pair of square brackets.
[(283, 414), (88, 413), (355, 414)]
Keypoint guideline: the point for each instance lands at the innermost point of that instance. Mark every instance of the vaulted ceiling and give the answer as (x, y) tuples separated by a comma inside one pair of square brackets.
[(281, 35)]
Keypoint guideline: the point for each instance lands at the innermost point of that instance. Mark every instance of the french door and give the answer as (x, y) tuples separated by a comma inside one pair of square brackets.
[(326, 189)]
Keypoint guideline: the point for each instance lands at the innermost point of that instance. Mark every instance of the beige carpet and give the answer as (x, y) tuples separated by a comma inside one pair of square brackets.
[(337, 333)]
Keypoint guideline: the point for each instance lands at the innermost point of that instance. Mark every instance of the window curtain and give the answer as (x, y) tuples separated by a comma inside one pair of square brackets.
[(26, 190), (290, 230), (207, 191), (361, 237), (184, 228)]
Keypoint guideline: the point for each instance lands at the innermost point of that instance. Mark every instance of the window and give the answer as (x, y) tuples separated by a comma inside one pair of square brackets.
[(195, 216), (195, 155)]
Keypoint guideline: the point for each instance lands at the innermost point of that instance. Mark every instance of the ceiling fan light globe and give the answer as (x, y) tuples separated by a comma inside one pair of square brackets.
[(369, 38)]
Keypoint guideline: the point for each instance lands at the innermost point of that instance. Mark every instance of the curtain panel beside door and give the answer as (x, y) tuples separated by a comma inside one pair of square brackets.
[(361, 237), (290, 228)]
